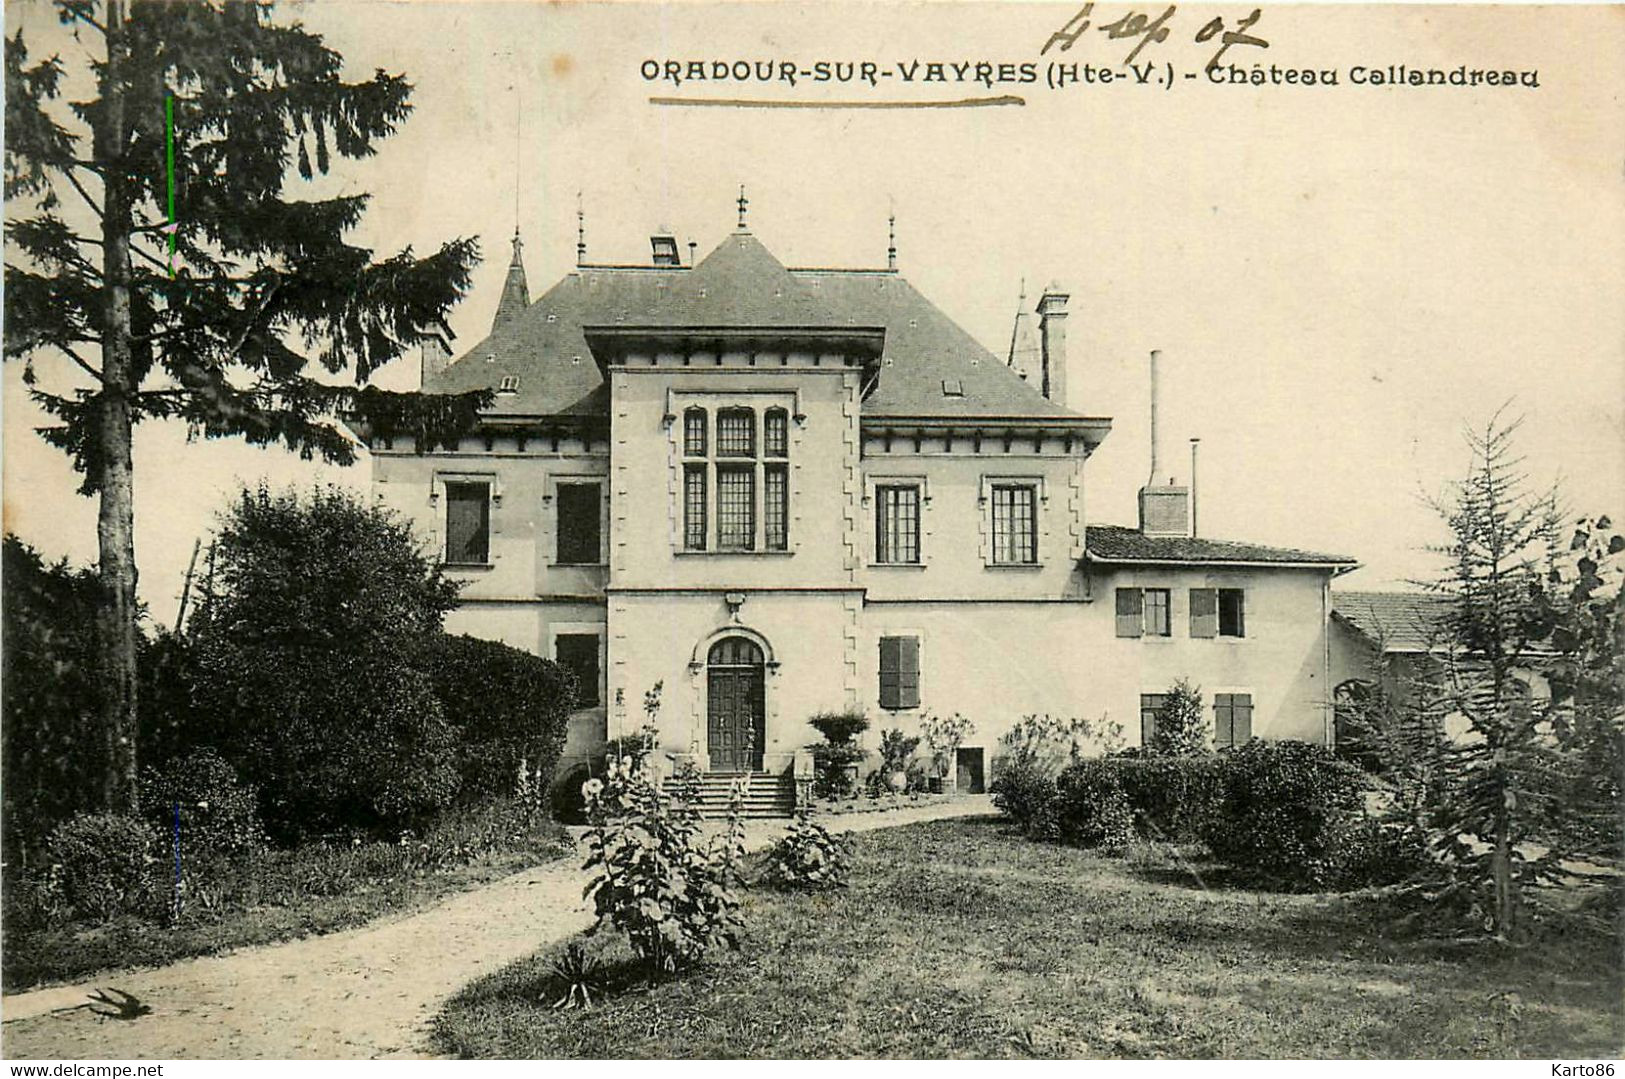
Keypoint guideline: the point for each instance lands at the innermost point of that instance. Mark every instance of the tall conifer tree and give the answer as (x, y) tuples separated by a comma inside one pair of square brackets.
[(248, 314)]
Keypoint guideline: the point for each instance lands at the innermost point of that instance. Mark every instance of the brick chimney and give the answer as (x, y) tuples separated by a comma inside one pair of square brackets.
[(434, 351), (1052, 342)]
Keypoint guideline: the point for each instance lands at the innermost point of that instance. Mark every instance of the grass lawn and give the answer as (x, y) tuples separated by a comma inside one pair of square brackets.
[(272, 896), (958, 939)]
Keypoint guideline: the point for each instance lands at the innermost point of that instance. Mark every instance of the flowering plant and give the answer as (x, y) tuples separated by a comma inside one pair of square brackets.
[(653, 878)]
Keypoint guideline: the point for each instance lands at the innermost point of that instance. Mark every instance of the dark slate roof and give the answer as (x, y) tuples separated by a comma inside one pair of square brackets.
[(1115, 543), (741, 284), (1399, 621)]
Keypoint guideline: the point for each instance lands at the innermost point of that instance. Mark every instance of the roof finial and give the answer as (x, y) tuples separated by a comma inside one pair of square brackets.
[(581, 233), (743, 202), (1021, 301), (517, 244), (891, 233)]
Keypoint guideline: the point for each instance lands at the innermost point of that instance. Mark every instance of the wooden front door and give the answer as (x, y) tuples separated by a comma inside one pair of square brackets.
[(736, 724)]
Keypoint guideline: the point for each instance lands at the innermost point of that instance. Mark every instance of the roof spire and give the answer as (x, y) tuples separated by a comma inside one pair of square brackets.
[(891, 241), (515, 291), (743, 202), (581, 233)]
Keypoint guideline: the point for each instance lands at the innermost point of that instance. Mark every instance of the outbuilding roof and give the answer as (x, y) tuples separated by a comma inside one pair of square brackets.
[(1396, 621), (1120, 544)]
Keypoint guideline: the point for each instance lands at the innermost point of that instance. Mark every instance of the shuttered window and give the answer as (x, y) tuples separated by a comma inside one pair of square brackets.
[(1130, 612), (1150, 710), (1204, 612), (1232, 719), (899, 672), (1157, 620), (579, 508), (468, 524)]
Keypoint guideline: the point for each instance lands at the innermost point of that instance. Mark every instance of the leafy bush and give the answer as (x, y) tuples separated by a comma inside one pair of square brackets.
[(944, 735), (839, 728), (219, 815), (1172, 797), (652, 878), (1181, 726), (101, 862), (306, 643), (506, 706), (808, 858), (1285, 813), (54, 753), (1090, 808), (1030, 756)]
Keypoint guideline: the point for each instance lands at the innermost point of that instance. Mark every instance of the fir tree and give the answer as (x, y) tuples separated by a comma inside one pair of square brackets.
[(248, 314)]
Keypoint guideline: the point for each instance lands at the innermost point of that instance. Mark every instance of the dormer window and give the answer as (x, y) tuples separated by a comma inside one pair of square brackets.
[(509, 384), (665, 250), (953, 387)]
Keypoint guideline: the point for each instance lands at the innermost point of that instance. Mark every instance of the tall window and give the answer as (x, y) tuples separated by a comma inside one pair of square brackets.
[(736, 507), (747, 476), (578, 654), (897, 524), (776, 506), (899, 672), (1232, 719), (1232, 612), (1156, 613), (468, 524), (1015, 524), (579, 509)]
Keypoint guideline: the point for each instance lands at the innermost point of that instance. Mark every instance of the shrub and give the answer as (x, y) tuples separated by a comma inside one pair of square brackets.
[(1172, 797), (1031, 754), (896, 751), (835, 759), (1181, 727), (652, 879), (54, 753), (1285, 813), (944, 735), (808, 858), (505, 706), (319, 607), (219, 815), (101, 863), (1090, 808), (839, 728)]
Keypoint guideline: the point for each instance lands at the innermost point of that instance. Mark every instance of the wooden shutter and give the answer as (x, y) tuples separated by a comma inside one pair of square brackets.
[(890, 660), (1150, 705), (1130, 612), (1223, 727), (899, 672), (908, 672), (1204, 612), (1241, 718)]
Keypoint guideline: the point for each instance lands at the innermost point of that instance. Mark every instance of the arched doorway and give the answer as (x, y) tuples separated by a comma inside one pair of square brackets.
[(736, 705)]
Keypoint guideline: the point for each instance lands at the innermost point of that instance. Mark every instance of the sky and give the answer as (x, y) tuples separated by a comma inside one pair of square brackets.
[(1341, 279)]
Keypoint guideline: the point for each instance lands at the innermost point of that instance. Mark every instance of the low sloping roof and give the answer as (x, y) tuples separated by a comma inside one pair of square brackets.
[(741, 284), (1398, 621), (1116, 543)]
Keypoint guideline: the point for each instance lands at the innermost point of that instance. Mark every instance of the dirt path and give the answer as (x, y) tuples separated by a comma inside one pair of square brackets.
[(367, 992)]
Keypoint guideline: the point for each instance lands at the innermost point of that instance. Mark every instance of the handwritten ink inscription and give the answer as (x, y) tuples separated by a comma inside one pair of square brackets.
[(1151, 31)]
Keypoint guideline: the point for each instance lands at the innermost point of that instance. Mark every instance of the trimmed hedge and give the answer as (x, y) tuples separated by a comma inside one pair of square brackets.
[(506, 706), (1172, 796), (1091, 809)]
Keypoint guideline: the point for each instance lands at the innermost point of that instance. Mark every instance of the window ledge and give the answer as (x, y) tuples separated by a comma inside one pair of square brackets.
[(472, 567), (733, 554), (896, 565), (578, 565), (1014, 565)]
